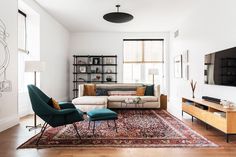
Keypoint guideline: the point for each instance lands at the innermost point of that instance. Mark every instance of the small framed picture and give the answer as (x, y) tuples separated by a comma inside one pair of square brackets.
[(82, 69), (96, 60), (178, 66)]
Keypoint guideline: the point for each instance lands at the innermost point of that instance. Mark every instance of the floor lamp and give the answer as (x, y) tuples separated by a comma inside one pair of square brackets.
[(153, 72), (34, 66)]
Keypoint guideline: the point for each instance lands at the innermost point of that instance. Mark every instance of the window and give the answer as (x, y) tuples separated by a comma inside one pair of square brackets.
[(22, 32), (23, 78), (139, 57)]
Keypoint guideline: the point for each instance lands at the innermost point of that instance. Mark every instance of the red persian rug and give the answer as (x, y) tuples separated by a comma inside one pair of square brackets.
[(136, 128)]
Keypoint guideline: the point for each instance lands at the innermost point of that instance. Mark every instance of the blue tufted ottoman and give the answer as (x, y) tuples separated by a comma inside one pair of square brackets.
[(101, 115)]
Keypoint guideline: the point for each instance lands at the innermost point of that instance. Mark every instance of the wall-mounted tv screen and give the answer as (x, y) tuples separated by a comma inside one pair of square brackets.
[(220, 68)]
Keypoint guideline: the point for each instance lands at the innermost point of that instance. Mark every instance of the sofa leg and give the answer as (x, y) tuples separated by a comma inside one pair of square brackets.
[(42, 131)]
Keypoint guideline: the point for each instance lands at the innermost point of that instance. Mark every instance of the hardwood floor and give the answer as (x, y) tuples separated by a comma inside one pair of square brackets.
[(13, 137)]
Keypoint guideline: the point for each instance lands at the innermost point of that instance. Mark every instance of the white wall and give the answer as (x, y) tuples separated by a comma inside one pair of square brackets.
[(107, 43), (210, 28), (8, 100), (54, 49)]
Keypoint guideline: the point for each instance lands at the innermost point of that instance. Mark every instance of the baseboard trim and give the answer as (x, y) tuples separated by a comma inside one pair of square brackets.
[(8, 122)]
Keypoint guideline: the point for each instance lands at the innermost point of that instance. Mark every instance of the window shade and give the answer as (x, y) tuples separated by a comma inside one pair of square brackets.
[(133, 51), (143, 51)]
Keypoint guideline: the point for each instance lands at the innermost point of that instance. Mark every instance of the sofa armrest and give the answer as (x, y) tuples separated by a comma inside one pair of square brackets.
[(81, 90), (157, 92)]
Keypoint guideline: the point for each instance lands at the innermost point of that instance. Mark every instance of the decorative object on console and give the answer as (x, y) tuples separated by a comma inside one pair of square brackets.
[(108, 61), (178, 66), (153, 72), (81, 62), (109, 78), (81, 79), (34, 66), (98, 77), (118, 17), (97, 70), (82, 69), (227, 104), (109, 71), (96, 60), (193, 87), (211, 99)]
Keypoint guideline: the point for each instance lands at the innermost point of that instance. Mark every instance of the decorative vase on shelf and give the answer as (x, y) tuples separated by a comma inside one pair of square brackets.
[(193, 87)]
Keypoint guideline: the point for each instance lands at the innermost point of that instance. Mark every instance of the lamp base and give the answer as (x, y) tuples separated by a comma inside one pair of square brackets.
[(34, 127)]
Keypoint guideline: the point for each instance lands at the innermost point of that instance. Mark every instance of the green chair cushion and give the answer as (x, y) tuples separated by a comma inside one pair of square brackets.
[(101, 114)]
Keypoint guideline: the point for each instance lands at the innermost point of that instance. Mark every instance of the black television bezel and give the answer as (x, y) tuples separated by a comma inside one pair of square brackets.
[(205, 64)]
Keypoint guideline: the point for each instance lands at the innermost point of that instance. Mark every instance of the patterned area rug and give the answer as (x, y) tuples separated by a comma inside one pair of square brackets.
[(136, 128)]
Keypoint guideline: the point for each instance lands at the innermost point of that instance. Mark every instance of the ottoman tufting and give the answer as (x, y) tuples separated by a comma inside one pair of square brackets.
[(100, 115)]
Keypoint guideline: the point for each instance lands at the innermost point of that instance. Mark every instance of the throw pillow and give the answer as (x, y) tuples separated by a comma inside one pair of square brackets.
[(149, 90), (101, 92), (54, 104), (89, 90), (140, 91)]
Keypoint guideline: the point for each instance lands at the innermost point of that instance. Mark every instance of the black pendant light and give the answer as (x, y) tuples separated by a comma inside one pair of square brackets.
[(118, 17)]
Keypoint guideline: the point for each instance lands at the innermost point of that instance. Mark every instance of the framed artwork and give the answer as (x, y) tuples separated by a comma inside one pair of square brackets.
[(96, 60), (178, 66), (185, 65), (82, 69)]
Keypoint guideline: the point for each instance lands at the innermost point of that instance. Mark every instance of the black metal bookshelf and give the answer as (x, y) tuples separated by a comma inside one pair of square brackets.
[(93, 69)]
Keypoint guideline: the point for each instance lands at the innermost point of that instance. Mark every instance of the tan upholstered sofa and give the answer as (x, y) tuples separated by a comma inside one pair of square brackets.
[(86, 103)]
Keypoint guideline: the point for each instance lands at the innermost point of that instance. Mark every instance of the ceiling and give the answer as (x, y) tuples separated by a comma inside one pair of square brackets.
[(149, 15)]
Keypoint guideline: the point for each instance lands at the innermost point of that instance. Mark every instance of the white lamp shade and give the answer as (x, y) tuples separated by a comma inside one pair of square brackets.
[(34, 66), (153, 72)]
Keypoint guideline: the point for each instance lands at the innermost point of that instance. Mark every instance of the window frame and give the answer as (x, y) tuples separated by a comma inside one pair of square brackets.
[(143, 61), (162, 62), (25, 49)]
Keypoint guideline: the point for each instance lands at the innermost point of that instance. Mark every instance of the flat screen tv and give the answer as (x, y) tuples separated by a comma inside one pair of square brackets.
[(220, 68)]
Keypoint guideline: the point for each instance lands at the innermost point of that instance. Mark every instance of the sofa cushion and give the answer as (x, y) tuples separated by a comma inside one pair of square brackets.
[(90, 100), (119, 86), (90, 90), (149, 90), (140, 91), (101, 92), (149, 98), (123, 98), (121, 93)]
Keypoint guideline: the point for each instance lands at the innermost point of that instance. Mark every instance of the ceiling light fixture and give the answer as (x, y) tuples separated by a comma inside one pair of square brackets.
[(118, 17)]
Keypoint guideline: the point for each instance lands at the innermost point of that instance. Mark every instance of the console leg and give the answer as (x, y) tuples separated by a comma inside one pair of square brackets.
[(182, 113), (227, 138), (192, 119)]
